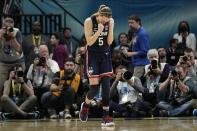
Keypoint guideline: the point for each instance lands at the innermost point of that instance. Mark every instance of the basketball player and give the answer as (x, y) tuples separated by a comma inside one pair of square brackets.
[(99, 35)]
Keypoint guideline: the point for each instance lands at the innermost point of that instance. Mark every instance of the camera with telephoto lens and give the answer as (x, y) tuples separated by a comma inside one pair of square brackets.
[(127, 75), (42, 61)]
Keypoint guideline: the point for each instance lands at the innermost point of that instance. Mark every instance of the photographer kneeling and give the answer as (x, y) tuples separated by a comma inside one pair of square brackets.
[(18, 98), (178, 88), (62, 92), (125, 94)]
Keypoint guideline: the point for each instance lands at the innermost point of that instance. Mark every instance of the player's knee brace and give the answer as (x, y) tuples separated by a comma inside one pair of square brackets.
[(92, 91), (105, 90)]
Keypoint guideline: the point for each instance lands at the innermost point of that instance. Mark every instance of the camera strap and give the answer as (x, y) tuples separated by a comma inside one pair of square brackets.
[(36, 44), (43, 78), (13, 88), (33, 80)]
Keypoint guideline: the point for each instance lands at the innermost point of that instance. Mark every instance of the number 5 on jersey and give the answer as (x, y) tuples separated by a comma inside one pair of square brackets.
[(100, 41)]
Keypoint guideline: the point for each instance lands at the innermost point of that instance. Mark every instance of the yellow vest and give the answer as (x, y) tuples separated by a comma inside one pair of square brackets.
[(73, 83)]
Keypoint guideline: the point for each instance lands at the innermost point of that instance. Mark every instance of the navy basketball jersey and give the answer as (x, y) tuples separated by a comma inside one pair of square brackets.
[(101, 44)]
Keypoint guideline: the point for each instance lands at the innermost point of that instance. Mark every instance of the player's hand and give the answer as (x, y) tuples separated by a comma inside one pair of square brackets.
[(100, 27)]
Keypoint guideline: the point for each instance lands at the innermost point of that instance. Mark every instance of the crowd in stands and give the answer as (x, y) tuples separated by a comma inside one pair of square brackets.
[(45, 77)]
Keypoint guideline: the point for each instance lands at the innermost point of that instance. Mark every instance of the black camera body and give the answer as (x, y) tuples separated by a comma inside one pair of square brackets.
[(174, 73), (19, 73), (6, 36), (56, 80), (11, 29), (42, 61), (154, 64), (183, 29), (127, 75), (185, 58)]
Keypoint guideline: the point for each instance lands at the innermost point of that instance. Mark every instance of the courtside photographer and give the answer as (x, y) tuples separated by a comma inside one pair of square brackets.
[(18, 100), (155, 73), (63, 90), (179, 93), (10, 49), (125, 95)]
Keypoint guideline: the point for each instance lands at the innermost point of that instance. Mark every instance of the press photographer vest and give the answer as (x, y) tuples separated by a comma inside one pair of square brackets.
[(74, 83)]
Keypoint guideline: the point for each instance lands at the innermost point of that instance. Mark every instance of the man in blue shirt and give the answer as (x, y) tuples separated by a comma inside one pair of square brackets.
[(141, 45)]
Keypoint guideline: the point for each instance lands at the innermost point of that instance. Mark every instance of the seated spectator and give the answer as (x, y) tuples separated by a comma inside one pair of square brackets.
[(18, 100), (125, 95), (41, 73), (179, 91), (59, 53), (185, 38), (65, 86)]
